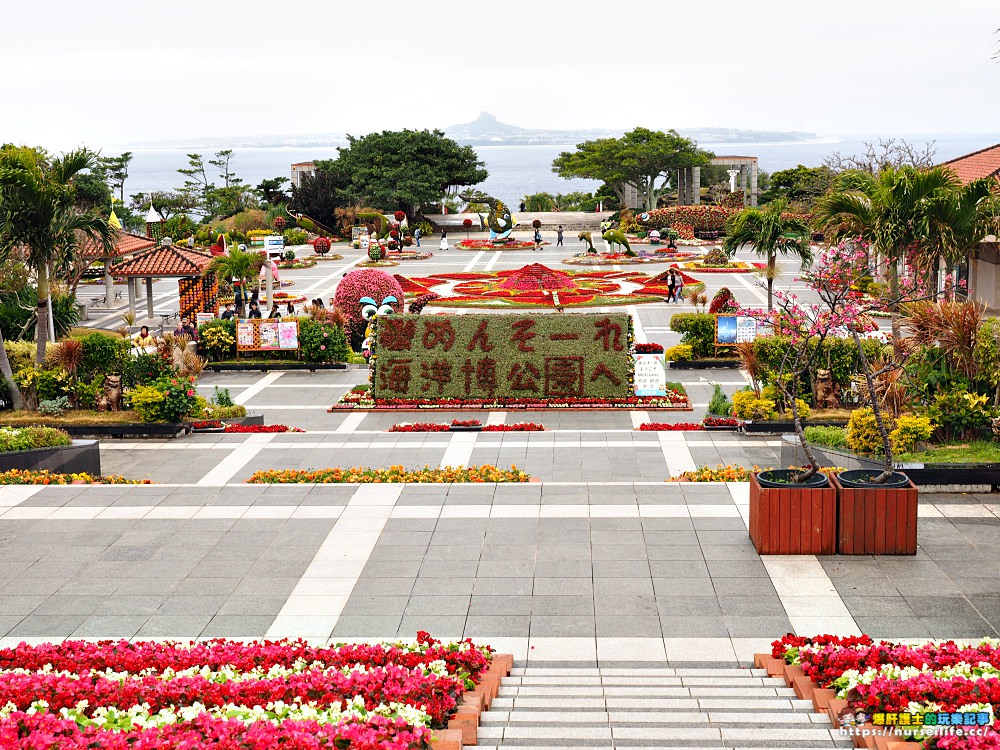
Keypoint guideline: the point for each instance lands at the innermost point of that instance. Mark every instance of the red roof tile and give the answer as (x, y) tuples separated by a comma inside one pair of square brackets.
[(126, 244), (982, 163), (166, 260)]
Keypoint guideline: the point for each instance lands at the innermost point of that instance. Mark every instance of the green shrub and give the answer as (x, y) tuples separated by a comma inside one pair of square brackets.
[(840, 354), (165, 400), (961, 415), (213, 411), (909, 431), (746, 405), (104, 355), (28, 438), (20, 353), (221, 397), (679, 353), (87, 391), (54, 406), (322, 342), (217, 339), (295, 236), (835, 437), (145, 368), (862, 432), (698, 331), (720, 405), (18, 312)]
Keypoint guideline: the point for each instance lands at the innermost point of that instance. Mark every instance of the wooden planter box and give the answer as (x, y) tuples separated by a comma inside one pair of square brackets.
[(793, 520), (875, 520)]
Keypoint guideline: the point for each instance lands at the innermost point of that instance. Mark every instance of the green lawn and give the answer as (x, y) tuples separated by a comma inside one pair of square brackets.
[(980, 451)]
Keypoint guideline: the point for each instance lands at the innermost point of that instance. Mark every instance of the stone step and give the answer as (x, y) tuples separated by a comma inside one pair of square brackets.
[(649, 691), (493, 717), (643, 681), (638, 672), (666, 704)]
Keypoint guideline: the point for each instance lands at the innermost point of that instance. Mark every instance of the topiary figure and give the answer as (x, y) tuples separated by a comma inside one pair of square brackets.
[(716, 258), (374, 284)]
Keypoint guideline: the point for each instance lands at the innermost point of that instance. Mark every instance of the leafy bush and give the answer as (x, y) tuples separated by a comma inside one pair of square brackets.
[(835, 437), (322, 342), (909, 431), (54, 406), (679, 353), (28, 438), (20, 353), (165, 400), (87, 391), (720, 405), (840, 354), (296, 236), (145, 368), (961, 415), (747, 406), (213, 411), (18, 312), (803, 407), (723, 302), (221, 397), (217, 339), (698, 331), (862, 432), (104, 355)]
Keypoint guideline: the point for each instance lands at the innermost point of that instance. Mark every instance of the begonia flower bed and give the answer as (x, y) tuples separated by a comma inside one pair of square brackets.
[(470, 423), (225, 694), (393, 474), (670, 427), (213, 425), (360, 399), (926, 682)]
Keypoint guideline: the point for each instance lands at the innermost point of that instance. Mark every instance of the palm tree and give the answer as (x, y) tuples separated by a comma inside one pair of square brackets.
[(240, 265), (39, 216), (902, 209), (770, 233)]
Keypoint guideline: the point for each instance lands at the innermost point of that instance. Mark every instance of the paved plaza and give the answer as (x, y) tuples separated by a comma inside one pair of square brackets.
[(602, 575)]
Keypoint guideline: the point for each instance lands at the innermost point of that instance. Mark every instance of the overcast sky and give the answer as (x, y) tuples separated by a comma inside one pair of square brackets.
[(113, 73)]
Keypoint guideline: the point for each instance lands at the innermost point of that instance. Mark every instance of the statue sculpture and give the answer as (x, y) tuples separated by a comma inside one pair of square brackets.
[(586, 237), (500, 222), (826, 390)]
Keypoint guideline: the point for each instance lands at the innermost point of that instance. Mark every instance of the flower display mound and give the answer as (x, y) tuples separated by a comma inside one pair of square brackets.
[(44, 476), (283, 298), (393, 474), (643, 256), (226, 694), (736, 266), (537, 285), (368, 282), (937, 686)]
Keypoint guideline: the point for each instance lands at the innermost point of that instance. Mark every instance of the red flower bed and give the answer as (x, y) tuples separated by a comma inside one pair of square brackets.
[(419, 427), (721, 422), (212, 424), (516, 427), (670, 427), (649, 348), (441, 427), (231, 696)]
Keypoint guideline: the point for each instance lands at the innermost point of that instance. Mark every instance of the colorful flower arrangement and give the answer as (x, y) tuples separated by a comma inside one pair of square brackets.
[(495, 244), (393, 474), (354, 399), (670, 427), (649, 348), (224, 694), (721, 473), (44, 476), (442, 427), (721, 422), (922, 681), (213, 424)]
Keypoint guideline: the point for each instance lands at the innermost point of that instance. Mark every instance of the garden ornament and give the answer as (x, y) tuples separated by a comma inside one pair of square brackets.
[(617, 237), (586, 237), (500, 221)]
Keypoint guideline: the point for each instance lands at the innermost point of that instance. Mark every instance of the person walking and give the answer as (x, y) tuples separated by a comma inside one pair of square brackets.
[(679, 293), (417, 235), (444, 240), (538, 239), (522, 207), (559, 236), (671, 285)]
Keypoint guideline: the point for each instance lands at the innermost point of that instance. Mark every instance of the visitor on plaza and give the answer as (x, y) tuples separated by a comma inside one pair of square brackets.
[(228, 313), (144, 339), (290, 308), (275, 312), (191, 330), (180, 329), (254, 310), (417, 235), (522, 207), (444, 239), (671, 285), (538, 239), (559, 236), (679, 293)]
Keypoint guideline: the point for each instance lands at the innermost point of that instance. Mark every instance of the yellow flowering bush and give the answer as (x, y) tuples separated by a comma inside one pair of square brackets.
[(909, 431), (679, 353), (393, 474), (862, 432), (746, 405)]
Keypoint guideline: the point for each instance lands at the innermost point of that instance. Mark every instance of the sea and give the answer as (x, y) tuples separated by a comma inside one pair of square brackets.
[(517, 171)]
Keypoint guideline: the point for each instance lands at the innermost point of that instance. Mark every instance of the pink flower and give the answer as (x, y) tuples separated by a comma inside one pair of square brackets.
[(190, 393), (322, 348)]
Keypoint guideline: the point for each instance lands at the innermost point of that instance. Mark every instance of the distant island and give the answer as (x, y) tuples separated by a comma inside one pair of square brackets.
[(487, 130)]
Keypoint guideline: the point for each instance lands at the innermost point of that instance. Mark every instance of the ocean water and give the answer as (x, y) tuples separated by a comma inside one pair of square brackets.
[(516, 171)]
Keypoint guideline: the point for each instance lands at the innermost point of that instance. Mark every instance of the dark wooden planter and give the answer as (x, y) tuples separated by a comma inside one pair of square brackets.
[(793, 520), (876, 520)]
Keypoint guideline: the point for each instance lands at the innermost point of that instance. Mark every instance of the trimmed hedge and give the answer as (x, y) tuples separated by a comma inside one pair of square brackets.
[(840, 356), (511, 356), (698, 330)]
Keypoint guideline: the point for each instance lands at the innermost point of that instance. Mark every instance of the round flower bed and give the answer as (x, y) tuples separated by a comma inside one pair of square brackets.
[(17, 476), (392, 474), (283, 298), (509, 244), (605, 259), (291, 264), (384, 263), (226, 694)]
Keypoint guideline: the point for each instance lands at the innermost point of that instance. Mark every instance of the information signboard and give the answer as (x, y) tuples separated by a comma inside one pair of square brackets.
[(650, 375), (734, 329), (267, 334)]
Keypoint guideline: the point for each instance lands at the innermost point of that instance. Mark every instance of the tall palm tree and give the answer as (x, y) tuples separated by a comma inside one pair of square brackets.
[(240, 265), (39, 215), (900, 209), (770, 233)]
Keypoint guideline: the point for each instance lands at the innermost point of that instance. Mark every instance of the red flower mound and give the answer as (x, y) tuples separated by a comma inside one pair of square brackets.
[(535, 277), (516, 427), (670, 427), (441, 427), (419, 427), (255, 428), (721, 422), (649, 348)]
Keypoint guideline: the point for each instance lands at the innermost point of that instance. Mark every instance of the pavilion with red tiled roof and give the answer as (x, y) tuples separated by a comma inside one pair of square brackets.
[(983, 265), (978, 164), (167, 260)]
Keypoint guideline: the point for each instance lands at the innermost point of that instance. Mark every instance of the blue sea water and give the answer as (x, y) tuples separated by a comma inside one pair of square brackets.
[(516, 171)]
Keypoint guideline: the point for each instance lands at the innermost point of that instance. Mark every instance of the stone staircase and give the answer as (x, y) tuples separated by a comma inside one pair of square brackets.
[(658, 707)]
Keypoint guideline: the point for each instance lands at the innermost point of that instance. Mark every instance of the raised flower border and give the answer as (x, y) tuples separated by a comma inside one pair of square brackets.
[(486, 473)]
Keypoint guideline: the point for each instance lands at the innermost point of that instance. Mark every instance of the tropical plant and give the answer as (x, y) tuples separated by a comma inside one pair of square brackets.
[(770, 233), (39, 217), (241, 266)]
